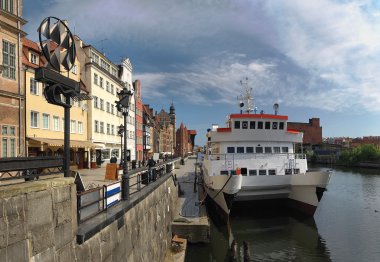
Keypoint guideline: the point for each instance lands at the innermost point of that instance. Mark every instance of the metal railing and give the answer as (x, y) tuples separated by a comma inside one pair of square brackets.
[(29, 168), (94, 201), (242, 156)]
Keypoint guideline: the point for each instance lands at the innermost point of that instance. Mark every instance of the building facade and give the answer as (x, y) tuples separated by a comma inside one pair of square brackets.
[(139, 122), (44, 127), (12, 111), (312, 131), (182, 141)]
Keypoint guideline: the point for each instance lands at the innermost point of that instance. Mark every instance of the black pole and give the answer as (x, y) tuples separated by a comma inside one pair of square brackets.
[(66, 142), (121, 148), (125, 177)]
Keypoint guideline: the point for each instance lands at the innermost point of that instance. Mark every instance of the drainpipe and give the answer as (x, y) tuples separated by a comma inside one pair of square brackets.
[(25, 145), (19, 81)]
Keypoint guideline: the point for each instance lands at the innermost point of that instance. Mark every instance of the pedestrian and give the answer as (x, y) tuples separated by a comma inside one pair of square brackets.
[(113, 159)]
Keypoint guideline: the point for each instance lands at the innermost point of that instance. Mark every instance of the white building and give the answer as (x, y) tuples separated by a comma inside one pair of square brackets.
[(101, 78)]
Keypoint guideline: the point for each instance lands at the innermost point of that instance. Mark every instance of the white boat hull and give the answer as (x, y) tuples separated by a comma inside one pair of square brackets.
[(222, 189), (304, 190)]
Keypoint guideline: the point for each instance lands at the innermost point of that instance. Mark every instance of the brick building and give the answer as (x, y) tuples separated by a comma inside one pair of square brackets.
[(312, 131), (192, 134), (182, 141), (12, 120), (139, 121)]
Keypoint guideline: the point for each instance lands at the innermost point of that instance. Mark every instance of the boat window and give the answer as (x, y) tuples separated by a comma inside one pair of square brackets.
[(224, 172), (268, 150), (237, 124), (276, 149), (249, 149), (288, 171), (244, 125), (296, 170), (267, 125), (285, 149), (262, 172), (274, 125), (252, 172), (260, 125), (272, 172), (252, 124), (243, 171), (281, 126), (240, 149), (259, 149), (231, 150)]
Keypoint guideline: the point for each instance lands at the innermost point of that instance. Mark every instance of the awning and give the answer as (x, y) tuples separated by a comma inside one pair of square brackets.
[(60, 142)]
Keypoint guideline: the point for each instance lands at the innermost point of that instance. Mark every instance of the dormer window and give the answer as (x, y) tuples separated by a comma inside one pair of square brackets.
[(34, 58)]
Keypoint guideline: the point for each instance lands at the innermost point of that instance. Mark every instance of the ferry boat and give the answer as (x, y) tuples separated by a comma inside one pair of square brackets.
[(254, 158)]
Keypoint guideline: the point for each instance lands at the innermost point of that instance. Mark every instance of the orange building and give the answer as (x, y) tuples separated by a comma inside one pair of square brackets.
[(312, 131)]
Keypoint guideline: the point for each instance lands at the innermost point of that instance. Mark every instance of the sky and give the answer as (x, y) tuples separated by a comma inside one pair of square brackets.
[(314, 58)]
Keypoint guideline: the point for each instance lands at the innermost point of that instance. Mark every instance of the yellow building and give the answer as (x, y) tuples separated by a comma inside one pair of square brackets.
[(12, 141), (45, 122)]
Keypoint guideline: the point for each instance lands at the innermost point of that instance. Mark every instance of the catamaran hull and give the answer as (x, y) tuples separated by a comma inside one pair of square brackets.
[(302, 191)]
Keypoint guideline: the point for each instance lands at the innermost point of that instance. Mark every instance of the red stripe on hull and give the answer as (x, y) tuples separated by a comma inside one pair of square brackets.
[(302, 207)]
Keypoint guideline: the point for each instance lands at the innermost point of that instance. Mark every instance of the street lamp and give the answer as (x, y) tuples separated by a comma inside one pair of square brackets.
[(122, 106), (120, 132)]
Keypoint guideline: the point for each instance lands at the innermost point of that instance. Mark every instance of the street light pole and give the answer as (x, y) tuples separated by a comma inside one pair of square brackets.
[(121, 133), (122, 106)]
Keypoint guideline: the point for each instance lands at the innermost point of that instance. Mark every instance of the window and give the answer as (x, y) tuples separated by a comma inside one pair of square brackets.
[(112, 129), (107, 86), (104, 65), (101, 127), (249, 149), (108, 129), (12, 147), (96, 105), (252, 172), (268, 150), (101, 104), (101, 82), (272, 172), (237, 124), (4, 148), (95, 79), (73, 126), (55, 123), (63, 124), (95, 57), (285, 149), (267, 125), (108, 107), (9, 60), (96, 126), (33, 58), (4, 130), (12, 131), (244, 125), (262, 172), (281, 126), (274, 125), (114, 71), (296, 170), (240, 149), (288, 171), (252, 124), (112, 109), (277, 149), (33, 86), (45, 121), (80, 127), (74, 69), (34, 119), (259, 149), (7, 5), (260, 125), (230, 150), (112, 90)]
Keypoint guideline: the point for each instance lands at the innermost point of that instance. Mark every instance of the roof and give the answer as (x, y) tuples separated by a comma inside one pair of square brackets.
[(259, 116)]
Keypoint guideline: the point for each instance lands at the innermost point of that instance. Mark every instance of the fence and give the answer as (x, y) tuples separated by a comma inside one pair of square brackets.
[(97, 200)]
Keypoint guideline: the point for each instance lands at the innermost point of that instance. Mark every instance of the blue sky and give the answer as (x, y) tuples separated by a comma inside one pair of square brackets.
[(315, 58)]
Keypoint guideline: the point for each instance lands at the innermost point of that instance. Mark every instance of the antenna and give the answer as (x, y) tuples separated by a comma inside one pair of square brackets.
[(102, 45), (246, 99)]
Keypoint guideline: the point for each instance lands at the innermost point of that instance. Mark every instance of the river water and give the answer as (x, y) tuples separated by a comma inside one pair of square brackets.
[(345, 227)]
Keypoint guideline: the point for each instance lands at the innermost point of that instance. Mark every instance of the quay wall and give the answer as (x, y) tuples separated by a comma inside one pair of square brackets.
[(38, 222)]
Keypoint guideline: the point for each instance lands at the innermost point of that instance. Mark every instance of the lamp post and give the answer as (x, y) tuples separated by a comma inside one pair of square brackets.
[(120, 132), (122, 106)]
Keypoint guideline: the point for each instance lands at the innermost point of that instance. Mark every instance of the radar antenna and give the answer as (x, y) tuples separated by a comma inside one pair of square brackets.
[(246, 99)]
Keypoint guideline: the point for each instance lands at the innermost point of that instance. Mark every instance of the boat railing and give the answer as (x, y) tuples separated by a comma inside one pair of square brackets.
[(242, 156)]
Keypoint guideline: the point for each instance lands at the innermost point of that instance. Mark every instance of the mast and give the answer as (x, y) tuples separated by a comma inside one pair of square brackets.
[(246, 99)]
